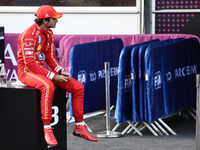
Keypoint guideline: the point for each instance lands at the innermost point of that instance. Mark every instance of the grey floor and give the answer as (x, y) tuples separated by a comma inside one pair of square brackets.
[(184, 140)]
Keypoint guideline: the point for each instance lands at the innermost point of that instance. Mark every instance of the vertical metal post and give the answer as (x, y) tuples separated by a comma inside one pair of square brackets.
[(107, 84), (197, 114), (108, 133), (142, 17)]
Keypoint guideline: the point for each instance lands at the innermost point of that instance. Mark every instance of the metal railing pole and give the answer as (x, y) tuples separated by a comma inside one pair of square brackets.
[(108, 133), (197, 114), (107, 84)]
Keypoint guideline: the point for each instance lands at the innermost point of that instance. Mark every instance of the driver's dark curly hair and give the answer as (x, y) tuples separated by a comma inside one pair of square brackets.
[(40, 21)]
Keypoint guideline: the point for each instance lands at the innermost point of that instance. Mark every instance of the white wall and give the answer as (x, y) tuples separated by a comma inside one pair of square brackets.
[(77, 20)]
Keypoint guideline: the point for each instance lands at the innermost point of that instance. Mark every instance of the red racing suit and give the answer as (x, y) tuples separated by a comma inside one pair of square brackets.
[(35, 47)]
